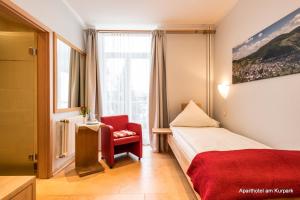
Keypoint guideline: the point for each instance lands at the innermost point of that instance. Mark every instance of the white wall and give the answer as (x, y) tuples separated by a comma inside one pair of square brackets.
[(55, 15), (186, 70), (266, 110)]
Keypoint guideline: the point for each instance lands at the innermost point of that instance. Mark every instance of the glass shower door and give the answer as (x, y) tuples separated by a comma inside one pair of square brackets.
[(18, 102)]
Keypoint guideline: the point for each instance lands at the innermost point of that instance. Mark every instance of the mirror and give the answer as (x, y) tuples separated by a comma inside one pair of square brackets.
[(69, 75)]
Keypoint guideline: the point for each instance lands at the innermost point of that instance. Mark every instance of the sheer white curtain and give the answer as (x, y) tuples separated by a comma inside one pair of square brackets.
[(124, 60)]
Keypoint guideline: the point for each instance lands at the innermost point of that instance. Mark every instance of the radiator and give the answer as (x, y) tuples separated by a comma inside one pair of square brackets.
[(65, 136), (63, 132)]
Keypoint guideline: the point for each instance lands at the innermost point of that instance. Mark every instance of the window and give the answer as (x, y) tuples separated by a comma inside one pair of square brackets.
[(125, 73)]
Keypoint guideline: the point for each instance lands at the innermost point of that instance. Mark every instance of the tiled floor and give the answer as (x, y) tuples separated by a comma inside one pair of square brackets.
[(155, 177)]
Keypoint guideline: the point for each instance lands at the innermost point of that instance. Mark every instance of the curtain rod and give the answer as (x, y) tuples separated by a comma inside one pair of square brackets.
[(166, 31)]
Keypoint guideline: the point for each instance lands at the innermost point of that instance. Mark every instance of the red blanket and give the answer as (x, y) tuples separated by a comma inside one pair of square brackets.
[(246, 174)]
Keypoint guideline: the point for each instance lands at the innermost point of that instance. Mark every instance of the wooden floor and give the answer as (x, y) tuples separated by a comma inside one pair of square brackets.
[(155, 177)]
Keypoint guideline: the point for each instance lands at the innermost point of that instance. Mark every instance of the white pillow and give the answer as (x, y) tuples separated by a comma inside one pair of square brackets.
[(194, 116)]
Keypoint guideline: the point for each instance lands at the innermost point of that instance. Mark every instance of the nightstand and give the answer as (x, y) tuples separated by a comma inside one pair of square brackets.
[(162, 138)]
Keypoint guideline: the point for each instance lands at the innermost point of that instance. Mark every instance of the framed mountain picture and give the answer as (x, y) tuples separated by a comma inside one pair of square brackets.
[(273, 52)]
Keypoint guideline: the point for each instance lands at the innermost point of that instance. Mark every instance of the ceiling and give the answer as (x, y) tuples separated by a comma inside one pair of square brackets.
[(138, 13)]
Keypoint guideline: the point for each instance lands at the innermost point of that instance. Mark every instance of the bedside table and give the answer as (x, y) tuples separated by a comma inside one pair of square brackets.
[(162, 138)]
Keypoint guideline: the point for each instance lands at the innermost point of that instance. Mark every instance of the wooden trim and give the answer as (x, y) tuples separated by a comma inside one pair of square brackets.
[(54, 73), (190, 31), (44, 138), (64, 110), (55, 109), (16, 10), (124, 31), (57, 36), (43, 107), (179, 31), (208, 73), (162, 131)]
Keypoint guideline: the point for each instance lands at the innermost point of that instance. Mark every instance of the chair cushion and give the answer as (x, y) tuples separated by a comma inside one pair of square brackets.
[(126, 140), (123, 133)]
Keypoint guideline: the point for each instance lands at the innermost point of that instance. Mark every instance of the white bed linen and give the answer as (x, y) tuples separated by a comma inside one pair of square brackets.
[(197, 140)]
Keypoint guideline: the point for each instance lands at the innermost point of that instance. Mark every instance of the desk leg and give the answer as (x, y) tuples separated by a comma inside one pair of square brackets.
[(163, 143), (166, 143)]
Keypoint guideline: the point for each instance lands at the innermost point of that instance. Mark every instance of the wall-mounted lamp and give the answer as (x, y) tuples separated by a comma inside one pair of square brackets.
[(224, 89)]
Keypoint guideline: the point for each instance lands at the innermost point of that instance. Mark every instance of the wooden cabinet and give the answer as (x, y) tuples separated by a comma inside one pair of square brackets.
[(17, 188)]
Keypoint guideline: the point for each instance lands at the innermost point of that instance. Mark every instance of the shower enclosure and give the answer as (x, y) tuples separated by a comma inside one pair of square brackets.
[(18, 100)]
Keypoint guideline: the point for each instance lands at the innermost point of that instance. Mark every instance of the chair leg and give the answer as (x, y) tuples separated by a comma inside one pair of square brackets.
[(110, 161), (110, 164)]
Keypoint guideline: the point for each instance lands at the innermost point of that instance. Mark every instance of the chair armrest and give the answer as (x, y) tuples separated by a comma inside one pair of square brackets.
[(107, 131), (137, 128), (107, 142), (110, 128)]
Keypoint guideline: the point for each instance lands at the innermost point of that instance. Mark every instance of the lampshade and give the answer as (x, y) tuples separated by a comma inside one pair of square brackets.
[(223, 89)]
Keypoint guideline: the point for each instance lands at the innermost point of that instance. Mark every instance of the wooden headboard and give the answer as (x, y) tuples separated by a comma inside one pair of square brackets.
[(183, 105)]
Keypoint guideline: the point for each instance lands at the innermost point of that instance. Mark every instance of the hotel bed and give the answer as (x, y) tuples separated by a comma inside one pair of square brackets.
[(187, 142), (197, 140), (223, 165)]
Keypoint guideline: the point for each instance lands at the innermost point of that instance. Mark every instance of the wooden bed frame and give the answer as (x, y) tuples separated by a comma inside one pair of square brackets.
[(182, 160)]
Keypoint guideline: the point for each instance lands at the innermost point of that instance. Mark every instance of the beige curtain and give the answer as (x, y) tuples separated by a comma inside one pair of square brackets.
[(93, 94), (158, 109), (76, 79), (82, 82)]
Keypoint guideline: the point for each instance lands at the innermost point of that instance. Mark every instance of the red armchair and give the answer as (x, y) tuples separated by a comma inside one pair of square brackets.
[(111, 146)]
